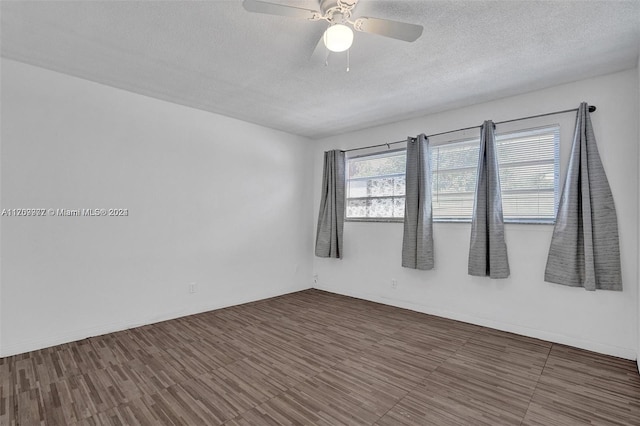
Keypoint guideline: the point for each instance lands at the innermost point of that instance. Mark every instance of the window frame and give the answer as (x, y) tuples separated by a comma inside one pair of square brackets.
[(459, 141), (346, 187), (556, 174), (518, 221)]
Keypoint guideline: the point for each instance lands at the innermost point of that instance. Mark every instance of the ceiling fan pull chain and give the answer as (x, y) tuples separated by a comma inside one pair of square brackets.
[(348, 58)]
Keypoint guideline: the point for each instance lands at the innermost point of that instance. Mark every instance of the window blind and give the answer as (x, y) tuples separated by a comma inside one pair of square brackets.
[(529, 170)]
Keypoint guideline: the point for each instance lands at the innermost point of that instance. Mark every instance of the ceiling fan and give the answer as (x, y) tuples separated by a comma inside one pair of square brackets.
[(339, 36)]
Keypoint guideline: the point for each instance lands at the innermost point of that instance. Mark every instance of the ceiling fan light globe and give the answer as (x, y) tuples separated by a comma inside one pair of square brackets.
[(338, 38)]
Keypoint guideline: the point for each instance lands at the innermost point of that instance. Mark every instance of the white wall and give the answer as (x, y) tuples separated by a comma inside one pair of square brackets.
[(209, 196), (602, 321), (211, 200)]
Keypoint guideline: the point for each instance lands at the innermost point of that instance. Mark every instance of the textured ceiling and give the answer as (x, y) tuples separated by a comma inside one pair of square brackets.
[(215, 56)]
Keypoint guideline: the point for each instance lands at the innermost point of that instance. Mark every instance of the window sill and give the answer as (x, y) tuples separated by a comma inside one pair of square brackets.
[(468, 221), (378, 220)]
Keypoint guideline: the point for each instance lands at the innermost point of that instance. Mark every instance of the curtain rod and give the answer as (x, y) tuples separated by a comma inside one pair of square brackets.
[(592, 108)]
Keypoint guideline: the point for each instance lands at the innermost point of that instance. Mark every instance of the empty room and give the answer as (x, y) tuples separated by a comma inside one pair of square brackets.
[(320, 212)]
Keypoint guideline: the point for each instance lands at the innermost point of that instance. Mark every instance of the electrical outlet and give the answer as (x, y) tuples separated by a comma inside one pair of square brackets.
[(315, 278), (394, 283), (192, 288)]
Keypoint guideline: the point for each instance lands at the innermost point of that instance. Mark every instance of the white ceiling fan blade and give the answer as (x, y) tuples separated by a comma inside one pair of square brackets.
[(320, 53), (280, 10), (387, 28)]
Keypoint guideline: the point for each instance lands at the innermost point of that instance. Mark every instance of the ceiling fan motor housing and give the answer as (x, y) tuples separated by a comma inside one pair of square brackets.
[(337, 11)]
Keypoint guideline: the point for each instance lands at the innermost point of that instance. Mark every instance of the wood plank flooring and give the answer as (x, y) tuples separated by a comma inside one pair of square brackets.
[(315, 358)]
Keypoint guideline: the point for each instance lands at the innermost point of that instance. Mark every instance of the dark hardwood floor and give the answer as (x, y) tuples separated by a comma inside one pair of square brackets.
[(316, 358)]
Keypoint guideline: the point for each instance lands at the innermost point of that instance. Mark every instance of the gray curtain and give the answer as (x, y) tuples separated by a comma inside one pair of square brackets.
[(584, 248), (488, 250), (331, 216), (417, 242)]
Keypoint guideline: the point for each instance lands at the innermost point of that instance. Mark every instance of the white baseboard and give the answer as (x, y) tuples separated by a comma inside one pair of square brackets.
[(620, 352), (28, 345)]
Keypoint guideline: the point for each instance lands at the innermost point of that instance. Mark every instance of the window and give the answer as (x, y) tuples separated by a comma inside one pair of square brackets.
[(375, 186), (453, 174), (529, 174)]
